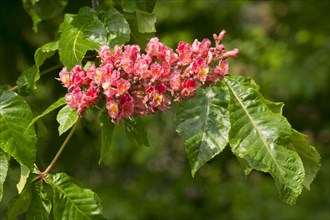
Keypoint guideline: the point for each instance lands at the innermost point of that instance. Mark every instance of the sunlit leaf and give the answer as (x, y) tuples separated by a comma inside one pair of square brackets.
[(136, 132), (261, 137), (71, 201), (117, 27), (80, 33), (43, 9), (3, 171), (309, 156), (107, 128), (26, 82), (203, 122), (15, 139), (66, 117), (40, 206), (23, 178), (60, 102), (146, 22)]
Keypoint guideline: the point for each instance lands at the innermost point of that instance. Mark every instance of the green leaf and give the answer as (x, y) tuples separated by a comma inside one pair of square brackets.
[(203, 122), (60, 102), (40, 206), (45, 52), (136, 37), (146, 5), (3, 171), (129, 6), (261, 138), (308, 154), (43, 9), (134, 5), (26, 82), (116, 26), (135, 130), (23, 179), (80, 33), (71, 201), (146, 22), (15, 139), (19, 204), (66, 117), (107, 128)]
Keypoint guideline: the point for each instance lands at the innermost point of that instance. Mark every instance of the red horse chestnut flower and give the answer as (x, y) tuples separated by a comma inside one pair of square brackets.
[(133, 83)]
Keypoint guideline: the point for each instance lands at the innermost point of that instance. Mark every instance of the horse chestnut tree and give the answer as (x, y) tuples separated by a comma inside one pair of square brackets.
[(215, 109)]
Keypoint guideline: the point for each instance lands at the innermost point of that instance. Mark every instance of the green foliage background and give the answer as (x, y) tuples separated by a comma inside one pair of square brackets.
[(284, 46)]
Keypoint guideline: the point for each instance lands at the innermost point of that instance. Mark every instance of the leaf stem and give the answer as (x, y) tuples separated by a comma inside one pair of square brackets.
[(42, 174)]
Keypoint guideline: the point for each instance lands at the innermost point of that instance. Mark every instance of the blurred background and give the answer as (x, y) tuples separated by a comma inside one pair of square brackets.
[(284, 46)]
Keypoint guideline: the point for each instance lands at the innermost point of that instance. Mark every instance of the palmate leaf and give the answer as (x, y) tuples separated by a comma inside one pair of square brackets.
[(134, 5), (203, 122), (15, 139), (26, 82), (19, 204), (107, 128), (44, 52), (136, 133), (43, 9), (117, 27), (23, 178), (80, 33), (136, 37), (40, 206), (146, 22), (60, 102), (3, 171), (66, 117), (70, 201), (308, 155), (261, 137)]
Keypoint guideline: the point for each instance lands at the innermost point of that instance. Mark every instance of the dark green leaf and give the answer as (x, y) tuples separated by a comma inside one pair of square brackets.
[(261, 137), (40, 206), (3, 171), (55, 105), (136, 37), (45, 52), (80, 33), (26, 82), (146, 22), (204, 124), (43, 9), (134, 5), (66, 117), (146, 5), (308, 155), (129, 6), (136, 132), (107, 128), (71, 201), (19, 204), (15, 139), (117, 27)]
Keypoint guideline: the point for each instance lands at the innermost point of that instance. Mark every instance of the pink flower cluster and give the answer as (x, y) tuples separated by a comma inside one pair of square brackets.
[(135, 84)]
